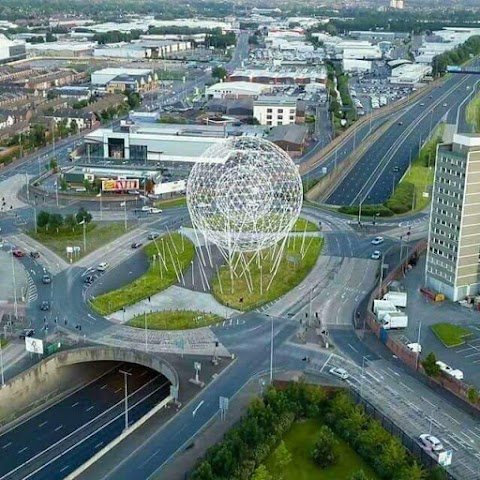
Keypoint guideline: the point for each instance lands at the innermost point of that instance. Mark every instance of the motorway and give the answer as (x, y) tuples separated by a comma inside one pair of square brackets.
[(400, 145), (78, 425)]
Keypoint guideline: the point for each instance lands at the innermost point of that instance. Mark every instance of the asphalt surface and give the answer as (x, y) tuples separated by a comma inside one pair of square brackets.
[(374, 177), (92, 416)]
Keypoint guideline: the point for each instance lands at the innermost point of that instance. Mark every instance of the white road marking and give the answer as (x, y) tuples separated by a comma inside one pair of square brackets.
[(353, 348), (59, 428), (406, 387), (98, 445), (103, 387), (23, 449), (89, 408), (470, 439), (75, 404), (64, 468), (7, 445), (393, 371), (451, 418), (42, 424), (118, 390), (427, 401)]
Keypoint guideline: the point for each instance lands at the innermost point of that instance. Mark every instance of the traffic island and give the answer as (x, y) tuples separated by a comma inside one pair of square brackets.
[(451, 335), (174, 320), (245, 293)]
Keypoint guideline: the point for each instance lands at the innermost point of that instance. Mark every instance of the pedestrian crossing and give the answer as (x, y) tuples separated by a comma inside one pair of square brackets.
[(32, 291)]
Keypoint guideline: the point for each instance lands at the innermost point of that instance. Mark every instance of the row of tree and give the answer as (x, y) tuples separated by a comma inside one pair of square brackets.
[(457, 56), (242, 453), (55, 221)]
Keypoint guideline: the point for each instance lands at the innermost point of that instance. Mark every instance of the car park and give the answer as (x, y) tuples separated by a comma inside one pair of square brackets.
[(431, 442), (26, 332), (46, 279), (45, 306), (102, 266), (136, 245), (339, 372), (18, 253), (376, 255), (34, 254), (377, 240)]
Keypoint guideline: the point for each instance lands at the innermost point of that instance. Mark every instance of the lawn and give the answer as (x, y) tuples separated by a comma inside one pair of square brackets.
[(167, 255), (97, 235), (293, 269), (422, 178), (473, 113), (300, 441), (451, 335), (301, 223), (175, 320), (172, 203)]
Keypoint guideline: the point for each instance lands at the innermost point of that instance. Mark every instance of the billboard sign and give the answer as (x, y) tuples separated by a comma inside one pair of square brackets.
[(34, 345), (120, 185)]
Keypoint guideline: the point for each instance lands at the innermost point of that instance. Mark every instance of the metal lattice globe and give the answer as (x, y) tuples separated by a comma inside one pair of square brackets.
[(245, 194)]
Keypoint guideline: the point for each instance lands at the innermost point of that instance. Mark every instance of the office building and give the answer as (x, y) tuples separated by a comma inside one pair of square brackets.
[(453, 257), (274, 111)]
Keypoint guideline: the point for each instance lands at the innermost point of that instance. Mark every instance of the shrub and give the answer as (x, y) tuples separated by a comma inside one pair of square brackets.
[(430, 365), (323, 453), (402, 199), (367, 210)]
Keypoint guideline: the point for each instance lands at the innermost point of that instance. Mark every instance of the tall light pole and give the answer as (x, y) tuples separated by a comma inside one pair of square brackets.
[(84, 223), (365, 357), (271, 351), (15, 306), (1, 364), (125, 377)]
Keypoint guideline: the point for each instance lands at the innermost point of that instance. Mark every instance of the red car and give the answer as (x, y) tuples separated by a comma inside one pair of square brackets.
[(18, 253)]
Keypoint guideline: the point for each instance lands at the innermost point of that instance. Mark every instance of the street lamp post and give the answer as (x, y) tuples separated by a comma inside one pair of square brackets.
[(125, 376), (271, 351), (365, 357), (1, 364), (15, 306)]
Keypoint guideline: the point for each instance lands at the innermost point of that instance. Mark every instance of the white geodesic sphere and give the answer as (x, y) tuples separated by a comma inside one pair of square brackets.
[(245, 194)]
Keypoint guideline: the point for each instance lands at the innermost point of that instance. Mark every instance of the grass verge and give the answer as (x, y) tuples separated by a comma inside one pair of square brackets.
[(175, 320), (473, 113), (162, 254), (293, 269), (171, 203), (300, 441), (97, 236), (450, 335), (301, 223)]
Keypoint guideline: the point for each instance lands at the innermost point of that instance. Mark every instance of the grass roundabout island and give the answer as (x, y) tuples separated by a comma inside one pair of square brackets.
[(169, 257), (298, 259), (174, 320)]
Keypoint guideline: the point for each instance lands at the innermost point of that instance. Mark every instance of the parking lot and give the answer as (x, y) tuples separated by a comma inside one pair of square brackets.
[(423, 313)]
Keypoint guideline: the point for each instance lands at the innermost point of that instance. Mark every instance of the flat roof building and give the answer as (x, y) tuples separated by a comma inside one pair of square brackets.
[(275, 110), (453, 255), (236, 90), (104, 76)]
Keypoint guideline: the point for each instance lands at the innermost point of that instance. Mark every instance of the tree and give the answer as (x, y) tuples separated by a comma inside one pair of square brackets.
[(430, 365), (472, 395), (70, 221), (83, 216), (55, 221), (42, 219), (323, 452), (73, 126), (203, 472), (87, 184), (359, 475), (410, 472), (392, 458), (53, 164), (261, 473), (281, 459), (63, 184), (220, 73), (133, 100)]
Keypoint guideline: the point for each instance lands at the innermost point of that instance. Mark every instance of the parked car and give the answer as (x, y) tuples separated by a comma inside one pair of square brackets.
[(136, 245), (34, 254), (415, 347), (26, 332), (153, 235), (18, 253), (377, 240), (102, 266), (339, 372), (376, 255), (431, 442), (45, 306), (46, 279)]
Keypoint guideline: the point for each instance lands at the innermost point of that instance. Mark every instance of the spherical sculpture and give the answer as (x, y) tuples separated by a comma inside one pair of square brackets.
[(245, 194)]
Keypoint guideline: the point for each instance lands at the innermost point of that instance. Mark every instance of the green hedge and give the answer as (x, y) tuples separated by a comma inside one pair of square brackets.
[(402, 199), (367, 210)]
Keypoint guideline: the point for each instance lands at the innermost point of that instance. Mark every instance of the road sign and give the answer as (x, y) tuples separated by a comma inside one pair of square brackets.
[(445, 458), (223, 403), (197, 366), (34, 345)]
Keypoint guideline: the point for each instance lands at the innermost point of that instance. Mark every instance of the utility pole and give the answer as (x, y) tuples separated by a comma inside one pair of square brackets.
[(1, 364), (15, 305), (271, 353), (125, 377)]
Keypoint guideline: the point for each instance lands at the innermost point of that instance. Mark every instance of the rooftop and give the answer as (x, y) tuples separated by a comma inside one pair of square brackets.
[(275, 100)]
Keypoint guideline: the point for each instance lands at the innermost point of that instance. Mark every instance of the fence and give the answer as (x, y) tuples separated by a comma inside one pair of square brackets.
[(407, 441)]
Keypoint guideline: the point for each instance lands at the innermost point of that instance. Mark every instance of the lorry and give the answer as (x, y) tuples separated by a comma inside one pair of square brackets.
[(399, 299), (383, 305), (394, 320)]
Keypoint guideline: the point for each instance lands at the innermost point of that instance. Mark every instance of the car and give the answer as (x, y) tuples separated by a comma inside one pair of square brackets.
[(376, 255), (400, 123), (46, 279), (445, 105), (396, 168), (102, 266), (153, 235), (339, 372), (422, 104), (26, 332), (89, 279), (377, 241), (18, 253), (45, 306), (34, 254), (431, 442), (136, 245), (414, 347)]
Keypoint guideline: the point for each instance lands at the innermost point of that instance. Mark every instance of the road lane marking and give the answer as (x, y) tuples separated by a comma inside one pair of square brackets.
[(89, 408), (43, 424), (406, 387), (64, 468), (470, 439), (23, 449), (118, 390), (104, 386), (197, 407), (427, 401), (451, 418), (144, 373), (353, 348), (393, 371), (326, 361), (98, 445), (7, 445), (59, 428), (75, 404)]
